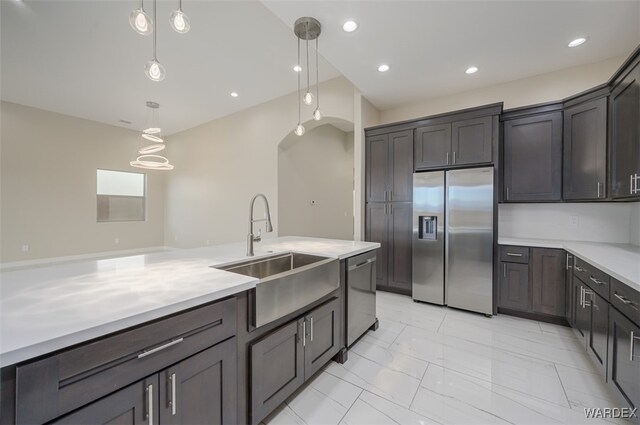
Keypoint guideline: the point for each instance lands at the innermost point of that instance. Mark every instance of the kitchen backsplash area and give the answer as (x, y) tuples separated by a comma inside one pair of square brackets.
[(602, 222)]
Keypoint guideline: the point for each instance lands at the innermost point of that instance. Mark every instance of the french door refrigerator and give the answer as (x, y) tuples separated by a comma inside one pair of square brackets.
[(453, 238)]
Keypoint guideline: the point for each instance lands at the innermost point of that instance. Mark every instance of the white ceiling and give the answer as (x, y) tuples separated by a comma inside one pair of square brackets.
[(429, 44), (82, 58)]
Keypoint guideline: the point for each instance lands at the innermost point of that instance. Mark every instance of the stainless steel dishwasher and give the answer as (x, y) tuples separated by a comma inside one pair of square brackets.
[(361, 295)]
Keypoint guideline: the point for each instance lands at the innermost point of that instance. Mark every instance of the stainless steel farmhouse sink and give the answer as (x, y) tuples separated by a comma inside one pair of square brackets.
[(288, 282)]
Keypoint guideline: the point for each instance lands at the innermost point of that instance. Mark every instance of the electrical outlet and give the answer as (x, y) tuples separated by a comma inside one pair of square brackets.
[(25, 248), (574, 220)]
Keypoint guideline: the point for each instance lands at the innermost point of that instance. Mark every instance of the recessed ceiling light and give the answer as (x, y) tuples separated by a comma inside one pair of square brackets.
[(297, 68), (471, 70), (577, 42), (350, 26), (234, 94), (384, 68)]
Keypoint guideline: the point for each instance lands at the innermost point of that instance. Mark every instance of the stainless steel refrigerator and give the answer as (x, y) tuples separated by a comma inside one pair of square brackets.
[(453, 238)]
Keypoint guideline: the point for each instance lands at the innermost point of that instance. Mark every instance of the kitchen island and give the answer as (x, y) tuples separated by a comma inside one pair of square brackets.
[(64, 310)]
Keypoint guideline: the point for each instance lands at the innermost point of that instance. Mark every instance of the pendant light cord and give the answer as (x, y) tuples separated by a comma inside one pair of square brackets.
[(317, 78), (299, 100), (307, 37), (155, 6), (180, 5)]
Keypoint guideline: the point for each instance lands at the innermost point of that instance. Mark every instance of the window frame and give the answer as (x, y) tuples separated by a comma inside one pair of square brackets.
[(143, 197)]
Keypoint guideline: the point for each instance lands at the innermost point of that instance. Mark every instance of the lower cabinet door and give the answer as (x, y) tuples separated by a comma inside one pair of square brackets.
[(548, 286), (624, 358), (400, 246), (277, 368), (598, 331), (581, 312), (568, 281), (202, 388), (514, 286), (323, 336), (136, 404), (377, 230)]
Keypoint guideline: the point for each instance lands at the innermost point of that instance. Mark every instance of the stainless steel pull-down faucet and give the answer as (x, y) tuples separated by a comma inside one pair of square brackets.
[(268, 227)]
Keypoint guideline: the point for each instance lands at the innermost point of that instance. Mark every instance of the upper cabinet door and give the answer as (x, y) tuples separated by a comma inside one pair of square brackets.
[(625, 136), (533, 158), (585, 150), (401, 167), (432, 146), (377, 168), (471, 141)]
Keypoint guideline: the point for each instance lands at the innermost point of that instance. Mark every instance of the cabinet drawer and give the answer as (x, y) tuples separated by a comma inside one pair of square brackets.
[(514, 254), (594, 278), (626, 300), (57, 384)]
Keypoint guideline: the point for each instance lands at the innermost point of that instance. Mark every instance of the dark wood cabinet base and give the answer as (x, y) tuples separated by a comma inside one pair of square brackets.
[(556, 320)]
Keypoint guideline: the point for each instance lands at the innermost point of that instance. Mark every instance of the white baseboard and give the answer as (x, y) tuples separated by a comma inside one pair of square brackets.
[(41, 262)]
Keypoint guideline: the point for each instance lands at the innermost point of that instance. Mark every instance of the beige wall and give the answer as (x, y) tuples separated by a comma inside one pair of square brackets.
[(48, 186), (316, 167), (528, 91), (220, 165)]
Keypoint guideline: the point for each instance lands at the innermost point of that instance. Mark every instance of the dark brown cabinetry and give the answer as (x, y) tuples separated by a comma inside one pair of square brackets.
[(585, 151), (624, 121), (390, 224), (624, 357), (581, 314), (533, 157), (471, 141), (532, 281), (432, 146), (598, 330), (389, 167), (514, 286), (277, 368), (284, 359), (548, 281)]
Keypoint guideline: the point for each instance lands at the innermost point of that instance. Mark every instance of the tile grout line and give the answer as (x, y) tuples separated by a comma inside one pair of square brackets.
[(555, 366), (419, 385)]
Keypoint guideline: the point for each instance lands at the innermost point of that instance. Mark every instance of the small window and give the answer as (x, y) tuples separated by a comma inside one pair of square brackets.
[(121, 196)]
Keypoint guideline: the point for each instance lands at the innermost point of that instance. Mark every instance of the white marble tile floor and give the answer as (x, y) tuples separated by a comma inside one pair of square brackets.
[(433, 365)]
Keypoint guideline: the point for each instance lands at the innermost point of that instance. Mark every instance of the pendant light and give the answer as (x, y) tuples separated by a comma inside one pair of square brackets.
[(308, 28), (140, 21), (179, 20), (154, 69), (147, 157)]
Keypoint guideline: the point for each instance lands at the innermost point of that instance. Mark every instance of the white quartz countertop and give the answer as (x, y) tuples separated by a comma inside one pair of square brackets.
[(44, 309), (620, 261)]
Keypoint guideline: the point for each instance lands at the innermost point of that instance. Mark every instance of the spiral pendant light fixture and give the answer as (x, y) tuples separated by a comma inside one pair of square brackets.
[(306, 29), (148, 157)]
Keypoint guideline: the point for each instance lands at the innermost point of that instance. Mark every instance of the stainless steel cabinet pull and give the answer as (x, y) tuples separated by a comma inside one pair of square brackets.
[(579, 269), (454, 157), (311, 323), (590, 293), (504, 269), (162, 347), (582, 296), (173, 402), (511, 254), (304, 333), (149, 415), (625, 300), (632, 339), (568, 261), (631, 188), (507, 194), (598, 189), (447, 158), (594, 280)]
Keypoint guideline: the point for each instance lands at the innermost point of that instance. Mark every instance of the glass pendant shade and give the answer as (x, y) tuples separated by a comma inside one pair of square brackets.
[(317, 115), (141, 22), (154, 70), (307, 98), (299, 131), (179, 22)]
